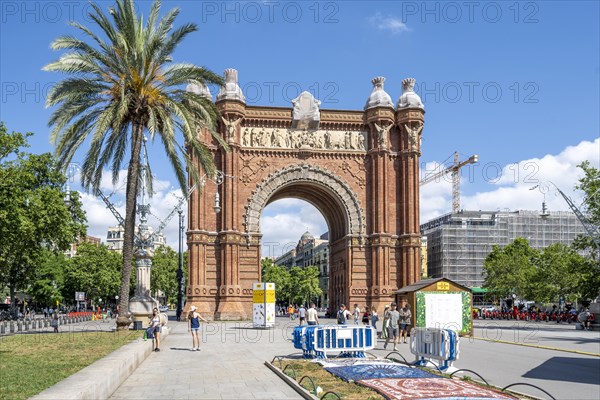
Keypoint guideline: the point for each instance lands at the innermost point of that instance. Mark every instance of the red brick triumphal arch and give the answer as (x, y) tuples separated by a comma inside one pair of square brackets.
[(359, 168)]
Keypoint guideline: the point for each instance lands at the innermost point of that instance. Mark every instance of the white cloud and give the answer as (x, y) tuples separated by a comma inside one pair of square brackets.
[(510, 184), (389, 23), (284, 221)]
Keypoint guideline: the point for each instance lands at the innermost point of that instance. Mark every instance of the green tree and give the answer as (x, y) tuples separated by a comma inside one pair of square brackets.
[(510, 270), (304, 284), (49, 279), (562, 272), (280, 276), (121, 86), (34, 218), (164, 272), (94, 270)]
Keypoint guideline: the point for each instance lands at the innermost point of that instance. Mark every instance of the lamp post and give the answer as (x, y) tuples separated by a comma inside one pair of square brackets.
[(180, 288)]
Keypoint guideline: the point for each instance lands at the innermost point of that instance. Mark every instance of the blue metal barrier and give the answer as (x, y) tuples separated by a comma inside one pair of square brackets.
[(351, 341), (435, 344)]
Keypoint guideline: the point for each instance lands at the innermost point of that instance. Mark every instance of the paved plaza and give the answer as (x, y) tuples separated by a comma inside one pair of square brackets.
[(230, 365), (556, 357)]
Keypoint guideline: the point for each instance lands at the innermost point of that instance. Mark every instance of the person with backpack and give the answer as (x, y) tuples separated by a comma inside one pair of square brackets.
[(343, 315)]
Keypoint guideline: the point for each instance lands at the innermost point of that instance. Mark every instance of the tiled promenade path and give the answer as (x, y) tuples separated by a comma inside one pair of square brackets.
[(229, 366)]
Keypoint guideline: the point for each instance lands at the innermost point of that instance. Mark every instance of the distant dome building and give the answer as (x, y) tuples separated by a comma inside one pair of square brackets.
[(306, 237), (311, 251)]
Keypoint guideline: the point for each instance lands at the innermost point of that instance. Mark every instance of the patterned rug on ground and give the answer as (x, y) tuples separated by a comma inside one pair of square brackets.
[(378, 371), (432, 388), (345, 362)]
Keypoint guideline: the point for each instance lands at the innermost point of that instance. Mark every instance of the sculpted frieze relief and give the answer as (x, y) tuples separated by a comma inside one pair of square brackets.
[(252, 168), (355, 171), (414, 135), (280, 138)]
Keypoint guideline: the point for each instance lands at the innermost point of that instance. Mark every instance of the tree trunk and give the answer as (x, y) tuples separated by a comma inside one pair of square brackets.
[(131, 192), (13, 298)]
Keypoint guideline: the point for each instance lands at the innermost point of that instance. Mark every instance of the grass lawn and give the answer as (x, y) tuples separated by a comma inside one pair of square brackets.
[(30, 363), (327, 381)]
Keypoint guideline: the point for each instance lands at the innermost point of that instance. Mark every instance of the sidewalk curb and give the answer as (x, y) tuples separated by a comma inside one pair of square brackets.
[(102, 378), (292, 383), (585, 353)]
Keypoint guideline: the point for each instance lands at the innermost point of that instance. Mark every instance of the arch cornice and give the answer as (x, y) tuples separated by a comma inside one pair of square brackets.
[(299, 174)]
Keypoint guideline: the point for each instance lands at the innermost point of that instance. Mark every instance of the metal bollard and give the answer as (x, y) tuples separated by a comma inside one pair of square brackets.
[(19, 326), (2, 329), (12, 327)]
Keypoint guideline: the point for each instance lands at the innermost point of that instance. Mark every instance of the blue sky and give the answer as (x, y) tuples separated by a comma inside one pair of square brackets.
[(515, 82)]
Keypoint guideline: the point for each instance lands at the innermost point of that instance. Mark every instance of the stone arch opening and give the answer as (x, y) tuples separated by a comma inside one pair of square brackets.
[(335, 200)]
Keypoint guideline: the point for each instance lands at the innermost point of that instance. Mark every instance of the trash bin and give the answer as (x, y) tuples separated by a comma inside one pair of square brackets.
[(137, 325)]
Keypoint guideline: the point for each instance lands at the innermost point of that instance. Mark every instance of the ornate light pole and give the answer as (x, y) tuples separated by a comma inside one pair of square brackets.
[(180, 280)]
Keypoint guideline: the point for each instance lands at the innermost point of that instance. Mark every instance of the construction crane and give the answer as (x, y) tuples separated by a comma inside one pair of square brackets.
[(454, 169), (592, 230), (139, 240)]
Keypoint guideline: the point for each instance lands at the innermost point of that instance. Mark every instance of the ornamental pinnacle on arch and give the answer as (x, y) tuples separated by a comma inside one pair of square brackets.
[(231, 90), (378, 97), (409, 98)]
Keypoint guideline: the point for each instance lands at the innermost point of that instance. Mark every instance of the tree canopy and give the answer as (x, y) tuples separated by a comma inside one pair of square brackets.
[(296, 285), (35, 220), (164, 272), (94, 270)]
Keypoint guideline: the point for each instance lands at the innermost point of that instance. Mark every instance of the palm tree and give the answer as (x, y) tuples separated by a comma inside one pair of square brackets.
[(120, 87)]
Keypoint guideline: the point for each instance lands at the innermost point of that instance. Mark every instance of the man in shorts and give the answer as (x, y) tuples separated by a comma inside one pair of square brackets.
[(302, 314), (393, 332)]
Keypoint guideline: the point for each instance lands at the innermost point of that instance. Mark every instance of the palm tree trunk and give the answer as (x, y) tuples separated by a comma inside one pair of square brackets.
[(137, 131)]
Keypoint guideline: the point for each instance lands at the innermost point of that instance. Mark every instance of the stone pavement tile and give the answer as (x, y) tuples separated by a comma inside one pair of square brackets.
[(273, 395), (231, 365)]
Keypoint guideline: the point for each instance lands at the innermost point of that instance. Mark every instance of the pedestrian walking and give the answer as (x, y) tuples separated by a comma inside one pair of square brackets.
[(386, 322), (394, 318), (157, 328), (366, 316), (312, 317), (302, 314), (356, 314), (405, 321), (194, 319), (343, 315), (374, 318), (291, 312), (54, 322)]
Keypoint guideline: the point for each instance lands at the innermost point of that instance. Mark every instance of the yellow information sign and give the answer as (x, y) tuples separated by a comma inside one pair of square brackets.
[(263, 299), (259, 296), (443, 286)]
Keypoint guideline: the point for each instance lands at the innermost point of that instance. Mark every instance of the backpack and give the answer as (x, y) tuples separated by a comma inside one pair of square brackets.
[(341, 317), (150, 332)]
